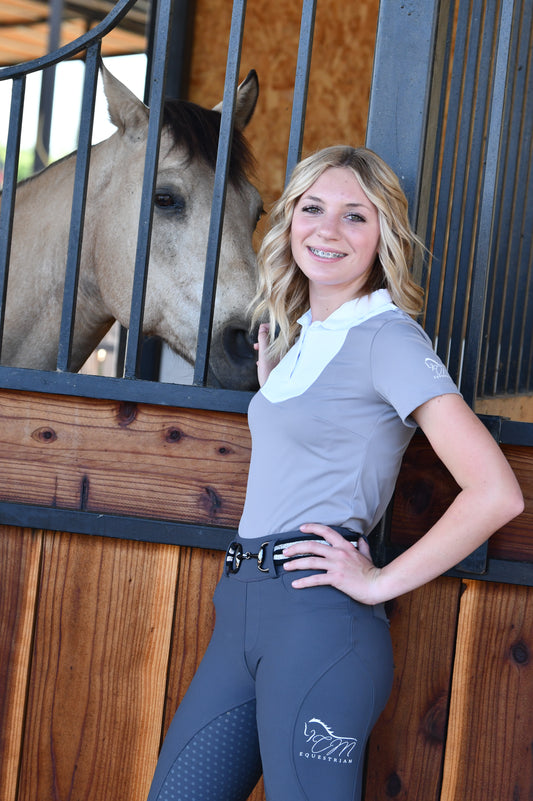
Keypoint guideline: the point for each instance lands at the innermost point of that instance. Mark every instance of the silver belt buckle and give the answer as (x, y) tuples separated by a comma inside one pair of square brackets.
[(235, 556)]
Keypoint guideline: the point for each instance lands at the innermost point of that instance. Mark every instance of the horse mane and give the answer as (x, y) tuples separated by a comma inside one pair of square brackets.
[(327, 728), (197, 129)]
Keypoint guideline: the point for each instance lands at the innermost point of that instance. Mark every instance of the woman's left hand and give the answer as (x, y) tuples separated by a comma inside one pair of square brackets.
[(348, 568)]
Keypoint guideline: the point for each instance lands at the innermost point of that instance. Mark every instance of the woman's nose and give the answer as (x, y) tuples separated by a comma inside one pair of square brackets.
[(329, 228)]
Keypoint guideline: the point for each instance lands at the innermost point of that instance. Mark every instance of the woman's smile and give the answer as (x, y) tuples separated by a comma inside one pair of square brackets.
[(335, 236), (326, 254)]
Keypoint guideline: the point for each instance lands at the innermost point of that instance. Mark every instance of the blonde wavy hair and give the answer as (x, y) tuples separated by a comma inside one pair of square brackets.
[(283, 294)]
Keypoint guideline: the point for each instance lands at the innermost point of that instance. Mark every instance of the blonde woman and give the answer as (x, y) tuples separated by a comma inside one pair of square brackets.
[(300, 663)]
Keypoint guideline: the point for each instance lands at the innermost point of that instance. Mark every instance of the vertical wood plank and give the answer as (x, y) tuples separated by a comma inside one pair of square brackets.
[(199, 571), (97, 684), (406, 747), (489, 747), (19, 559)]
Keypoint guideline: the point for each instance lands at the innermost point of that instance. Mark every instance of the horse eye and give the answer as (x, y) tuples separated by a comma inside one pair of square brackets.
[(168, 201), (260, 214)]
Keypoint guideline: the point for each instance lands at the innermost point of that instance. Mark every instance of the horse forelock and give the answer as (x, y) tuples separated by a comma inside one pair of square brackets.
[(197, 129)]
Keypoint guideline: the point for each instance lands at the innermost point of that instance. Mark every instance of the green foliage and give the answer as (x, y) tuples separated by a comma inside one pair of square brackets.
[(25, 168)]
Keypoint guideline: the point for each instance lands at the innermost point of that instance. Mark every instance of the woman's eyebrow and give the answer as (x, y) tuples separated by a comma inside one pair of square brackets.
[(315, 199)]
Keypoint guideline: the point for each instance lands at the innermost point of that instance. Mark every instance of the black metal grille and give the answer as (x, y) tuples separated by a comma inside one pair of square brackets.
[(64, 382), (457, 99)]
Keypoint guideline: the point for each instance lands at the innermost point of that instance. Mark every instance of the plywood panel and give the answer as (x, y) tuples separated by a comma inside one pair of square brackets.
[(407, 746), (20, 551), (340, 77), (98, 674), (489, 750)]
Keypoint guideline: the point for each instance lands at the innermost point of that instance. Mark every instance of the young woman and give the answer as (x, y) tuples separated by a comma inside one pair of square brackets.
[(300, 663)]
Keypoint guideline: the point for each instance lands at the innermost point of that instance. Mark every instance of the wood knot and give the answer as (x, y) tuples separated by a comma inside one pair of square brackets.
[(127, 413), (520, 653), (393, 785), (173, 435), (84, 492), (211, 502), (418, 495), (45, 434), (224, 450), (435, 719)]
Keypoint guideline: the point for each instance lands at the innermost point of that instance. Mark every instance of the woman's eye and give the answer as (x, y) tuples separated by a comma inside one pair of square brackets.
[(356, 217), (311, 209)]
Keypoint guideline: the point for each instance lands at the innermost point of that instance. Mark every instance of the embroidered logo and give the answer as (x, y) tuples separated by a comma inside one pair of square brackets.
[(324, 744), (437, 368)]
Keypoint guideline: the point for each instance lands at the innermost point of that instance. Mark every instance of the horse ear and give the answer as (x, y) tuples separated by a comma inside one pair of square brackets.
[(247, 94), (126, 111)]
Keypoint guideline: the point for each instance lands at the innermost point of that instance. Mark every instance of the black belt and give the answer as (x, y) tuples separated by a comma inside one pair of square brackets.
[(235, 555)]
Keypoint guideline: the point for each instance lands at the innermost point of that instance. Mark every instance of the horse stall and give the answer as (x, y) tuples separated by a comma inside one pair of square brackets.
[(118, 495)]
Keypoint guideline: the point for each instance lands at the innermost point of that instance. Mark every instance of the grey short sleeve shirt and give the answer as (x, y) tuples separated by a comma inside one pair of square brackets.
[(330, 426)]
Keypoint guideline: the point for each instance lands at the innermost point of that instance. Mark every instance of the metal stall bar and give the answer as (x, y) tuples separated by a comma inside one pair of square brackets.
[(484, 238), (301, 84), (42, 150), (505, 331), (429, 188), (524, 377), (181, 36), (481, 64), (401, 89), (157, 96), (455, 221), (8, 195), (498, 295), (77, 218), (207, 309)]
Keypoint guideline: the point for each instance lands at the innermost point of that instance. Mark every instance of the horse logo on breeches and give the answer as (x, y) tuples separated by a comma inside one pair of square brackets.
[(325, 741)]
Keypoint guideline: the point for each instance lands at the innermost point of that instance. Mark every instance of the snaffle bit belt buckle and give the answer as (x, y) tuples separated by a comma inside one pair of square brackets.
[(235, 555)]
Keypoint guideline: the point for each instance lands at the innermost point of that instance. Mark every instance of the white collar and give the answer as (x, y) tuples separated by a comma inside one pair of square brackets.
[(352, 312), (318, 343)]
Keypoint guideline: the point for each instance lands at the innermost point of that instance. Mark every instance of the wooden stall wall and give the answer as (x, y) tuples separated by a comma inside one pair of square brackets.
[(100, 637)]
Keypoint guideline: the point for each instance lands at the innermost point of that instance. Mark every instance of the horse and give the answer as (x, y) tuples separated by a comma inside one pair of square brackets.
[(182, 206)]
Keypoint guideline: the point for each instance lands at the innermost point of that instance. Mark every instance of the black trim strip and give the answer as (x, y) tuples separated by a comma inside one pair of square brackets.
[(126, 527)]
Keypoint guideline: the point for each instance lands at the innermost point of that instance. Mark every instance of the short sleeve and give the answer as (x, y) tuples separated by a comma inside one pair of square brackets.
[(406, 371)]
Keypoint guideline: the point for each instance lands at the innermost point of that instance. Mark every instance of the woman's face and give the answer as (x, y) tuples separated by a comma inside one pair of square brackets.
[(335, 237)]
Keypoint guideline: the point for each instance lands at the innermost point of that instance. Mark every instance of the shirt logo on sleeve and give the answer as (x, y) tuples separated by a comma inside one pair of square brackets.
[(437, 368)]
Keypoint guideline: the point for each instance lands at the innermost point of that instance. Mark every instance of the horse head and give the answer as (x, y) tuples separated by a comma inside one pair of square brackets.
[(182, 207)]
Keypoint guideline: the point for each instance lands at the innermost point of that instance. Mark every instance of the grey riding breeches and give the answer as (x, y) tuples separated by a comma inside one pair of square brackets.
[(290, 686)]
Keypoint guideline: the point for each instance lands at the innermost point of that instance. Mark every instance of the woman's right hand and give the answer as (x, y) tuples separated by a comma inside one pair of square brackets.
[(264, 364)]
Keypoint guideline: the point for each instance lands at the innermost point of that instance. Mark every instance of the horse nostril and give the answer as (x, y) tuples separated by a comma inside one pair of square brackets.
[(238, 344)]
